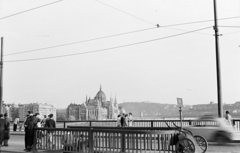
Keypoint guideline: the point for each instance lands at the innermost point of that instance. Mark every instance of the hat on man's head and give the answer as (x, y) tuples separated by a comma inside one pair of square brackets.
[(30, 112), (1, 115), (5, 114)]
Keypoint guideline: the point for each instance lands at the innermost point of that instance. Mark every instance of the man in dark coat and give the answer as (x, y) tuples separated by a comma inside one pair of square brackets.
[(30, 124), (50, 123), (3, 128), (7, 132)]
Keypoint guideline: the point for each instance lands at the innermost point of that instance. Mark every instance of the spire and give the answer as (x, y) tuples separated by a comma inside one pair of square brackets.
[(100, 87), (115, 101), (86, 98)]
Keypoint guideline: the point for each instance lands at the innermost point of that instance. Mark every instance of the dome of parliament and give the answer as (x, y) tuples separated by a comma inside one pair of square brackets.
[(101, 95)]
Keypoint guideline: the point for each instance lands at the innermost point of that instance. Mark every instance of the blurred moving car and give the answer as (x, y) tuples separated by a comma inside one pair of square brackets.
[(213, 129)]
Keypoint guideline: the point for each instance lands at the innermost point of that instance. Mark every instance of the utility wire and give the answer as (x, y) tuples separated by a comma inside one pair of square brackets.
[(230, 33), (88, 40), (200, 21), (230, 26), (158, 24), (166, 25), (77, 42), (29, 10), (111, 48), (126, 13)]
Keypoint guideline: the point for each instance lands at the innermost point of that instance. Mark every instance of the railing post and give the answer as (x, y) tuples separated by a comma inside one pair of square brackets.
[(123, 147), (34, 140), (90, 123), (190, 122), (233, 121), (151, 123), (90, 140)]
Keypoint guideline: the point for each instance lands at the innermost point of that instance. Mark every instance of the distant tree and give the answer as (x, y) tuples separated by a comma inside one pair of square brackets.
[(71, 118), (61, 117)]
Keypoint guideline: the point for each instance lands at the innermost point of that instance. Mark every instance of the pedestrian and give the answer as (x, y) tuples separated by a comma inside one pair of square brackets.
[(37, 115), (43, 122), (7, 132), (25, 138), (228, 117), (122, 120), (3, 128), (39, 132), (30, 124), (126, 120), (130, 120), (118, 121), (50, 123), (15, 123)]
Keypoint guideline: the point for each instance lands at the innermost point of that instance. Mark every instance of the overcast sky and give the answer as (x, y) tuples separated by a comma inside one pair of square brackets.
[(117, 44)]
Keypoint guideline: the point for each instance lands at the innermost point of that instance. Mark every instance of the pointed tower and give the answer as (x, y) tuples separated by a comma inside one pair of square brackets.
[(115, 102), (111, 99), (86, 99)]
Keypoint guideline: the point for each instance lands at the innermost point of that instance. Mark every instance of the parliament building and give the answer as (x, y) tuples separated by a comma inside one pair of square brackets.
[(94, 109)]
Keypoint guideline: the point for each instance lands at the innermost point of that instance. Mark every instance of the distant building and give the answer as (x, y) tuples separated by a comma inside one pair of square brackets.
[(42, 109), (94, 109)]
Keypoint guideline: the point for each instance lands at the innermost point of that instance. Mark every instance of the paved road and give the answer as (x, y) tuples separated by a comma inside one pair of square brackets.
[(16, 145)]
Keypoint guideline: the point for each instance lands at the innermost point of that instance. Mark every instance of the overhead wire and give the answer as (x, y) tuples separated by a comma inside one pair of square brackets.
[(230, 26), (34, 50), (77, 42), (1, 18), (106, 49), (158, 26), (165, 26), (125, 13)]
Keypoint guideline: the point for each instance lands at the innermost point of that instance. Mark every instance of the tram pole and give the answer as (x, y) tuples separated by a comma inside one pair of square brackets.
[(219, 89), (1, 76)]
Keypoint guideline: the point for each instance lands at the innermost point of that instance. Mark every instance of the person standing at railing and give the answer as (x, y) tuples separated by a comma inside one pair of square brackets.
[(50, 123), (228, 117), (30, 124), (122, 120), (118, 121), (130, 120), (126, 120), (43, 122)]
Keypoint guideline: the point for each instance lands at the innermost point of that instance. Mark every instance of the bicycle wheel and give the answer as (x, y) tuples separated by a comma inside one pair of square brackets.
[(202, 143), (185, 145)]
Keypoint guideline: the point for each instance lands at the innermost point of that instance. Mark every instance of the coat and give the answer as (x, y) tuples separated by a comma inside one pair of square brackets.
[(50, 123), (7, 132), (30, 124), (3, 129)]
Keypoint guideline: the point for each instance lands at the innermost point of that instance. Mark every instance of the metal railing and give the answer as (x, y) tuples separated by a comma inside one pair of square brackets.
[(141, 123), (89, 140)]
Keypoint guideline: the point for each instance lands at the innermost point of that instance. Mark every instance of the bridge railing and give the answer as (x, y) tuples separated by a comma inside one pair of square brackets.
[(113, 123), (89, 140)]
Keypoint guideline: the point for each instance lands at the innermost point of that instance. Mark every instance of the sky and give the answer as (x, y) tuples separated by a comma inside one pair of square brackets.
[(60, 52)]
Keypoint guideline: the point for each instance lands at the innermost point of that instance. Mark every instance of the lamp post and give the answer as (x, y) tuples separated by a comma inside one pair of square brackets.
[(219, 89), (1, 75)]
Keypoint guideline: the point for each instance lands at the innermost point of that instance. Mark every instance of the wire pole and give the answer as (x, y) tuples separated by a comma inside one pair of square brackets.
[(219, 89), (1, 76)]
